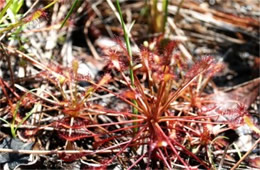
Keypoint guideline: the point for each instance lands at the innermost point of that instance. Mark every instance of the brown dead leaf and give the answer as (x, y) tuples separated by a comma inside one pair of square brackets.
[(245, 93)]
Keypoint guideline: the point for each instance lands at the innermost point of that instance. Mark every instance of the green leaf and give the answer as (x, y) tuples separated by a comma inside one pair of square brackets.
[(27, 116), (165, 9), (129, 50), (14, 117), (2, 13), (4, 120), (70, 12), (13, 125), (127, 41), (16, 6), (126, 36)]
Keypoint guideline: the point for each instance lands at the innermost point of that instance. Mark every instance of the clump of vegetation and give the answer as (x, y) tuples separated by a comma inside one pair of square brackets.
[(150, 110)]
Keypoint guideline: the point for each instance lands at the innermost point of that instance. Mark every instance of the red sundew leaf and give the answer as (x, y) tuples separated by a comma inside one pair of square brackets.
[(178, 60), (120, 43), (145, 58), (81, 77), (100, 142), (35, 15), (156, 59), (73, 109), (73, 137), (29, 133), (80, 123), (255, 162), (105, 79), (28, 100), (169, 48), (167, 77), (71, 157), (47, 75), (167, 52), (129, 94), (2, 3), (117, 60), (157, 139), (162, 143), (200, 66), (224, 109), (56, 68), (233, 117), (114, 58), (77, 124), (214, 68), (227, 106), (205, 136), (186, 151), (246, 93)]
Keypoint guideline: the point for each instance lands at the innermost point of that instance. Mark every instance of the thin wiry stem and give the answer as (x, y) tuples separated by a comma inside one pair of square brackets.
[(171, 146), (245, 155), (47, 152), (129, 50), (164, 160), (129, 142), (138, 160)]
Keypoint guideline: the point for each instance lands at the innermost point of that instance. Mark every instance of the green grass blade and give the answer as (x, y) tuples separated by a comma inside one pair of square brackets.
[(165, 9), (70, 12), (129, 50), (2, 13), (127, 41), (16, 6), (50, 4), (4, 120), (238, 150), (14, 117), (26, 117), (13, 126)]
